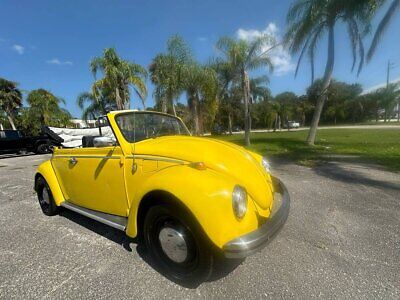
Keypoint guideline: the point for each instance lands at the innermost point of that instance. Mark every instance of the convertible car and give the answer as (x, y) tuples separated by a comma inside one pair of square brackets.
[(187, 198)]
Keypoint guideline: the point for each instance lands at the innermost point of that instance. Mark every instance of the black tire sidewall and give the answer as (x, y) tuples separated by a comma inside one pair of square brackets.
[(43, 148), (202, 267), (50, 209)]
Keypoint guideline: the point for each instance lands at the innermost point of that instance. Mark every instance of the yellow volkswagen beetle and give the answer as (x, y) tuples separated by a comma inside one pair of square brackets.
[(186, 196)]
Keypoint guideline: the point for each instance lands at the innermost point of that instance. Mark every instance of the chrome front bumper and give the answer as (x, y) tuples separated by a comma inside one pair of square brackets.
[(254, 241)]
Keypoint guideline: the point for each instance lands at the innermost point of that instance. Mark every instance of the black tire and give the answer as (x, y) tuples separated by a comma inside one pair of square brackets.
[(43, 148), (196, 266), (45, 197)]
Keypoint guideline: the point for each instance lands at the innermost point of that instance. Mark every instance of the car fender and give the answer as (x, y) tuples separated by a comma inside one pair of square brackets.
[(47, 172), (207, 195)]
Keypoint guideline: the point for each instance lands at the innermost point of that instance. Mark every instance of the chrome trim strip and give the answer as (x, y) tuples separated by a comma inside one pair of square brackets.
[(156, 158), (86, 156), (108, 219)]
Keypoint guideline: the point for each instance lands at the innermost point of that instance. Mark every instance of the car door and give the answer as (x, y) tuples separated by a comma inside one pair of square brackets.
[(3, 141), (10, 140), (93, 178)]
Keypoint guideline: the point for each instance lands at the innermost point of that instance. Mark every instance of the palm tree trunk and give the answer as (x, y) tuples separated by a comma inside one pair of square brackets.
[(1, 126), (10, 119), (230, 123), (164, 106), (118, 99), (279, 122), (246, 93), (173, 108), (312, 70), (325, 84), (126, 101), (195, 114)]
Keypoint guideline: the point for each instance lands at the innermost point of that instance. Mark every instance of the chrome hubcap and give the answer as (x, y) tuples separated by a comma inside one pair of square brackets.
[(46, 196), (173, 244)]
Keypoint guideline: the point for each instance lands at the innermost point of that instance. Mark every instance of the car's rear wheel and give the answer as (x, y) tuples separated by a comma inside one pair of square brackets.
[(43, 148), (176, 244), (45, 197)]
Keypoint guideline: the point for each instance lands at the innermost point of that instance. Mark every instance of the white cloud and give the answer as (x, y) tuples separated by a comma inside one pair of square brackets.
[(280, 57), (56, 61), (19, 49), (378, 86)]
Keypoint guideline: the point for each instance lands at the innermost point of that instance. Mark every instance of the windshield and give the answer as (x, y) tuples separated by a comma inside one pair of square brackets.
[(138, 126)]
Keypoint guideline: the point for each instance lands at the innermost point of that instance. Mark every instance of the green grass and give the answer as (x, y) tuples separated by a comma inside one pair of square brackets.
[(380, 146)]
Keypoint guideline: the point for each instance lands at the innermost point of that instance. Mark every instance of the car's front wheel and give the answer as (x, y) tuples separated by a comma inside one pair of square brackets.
[(45, 197), (176, 244)]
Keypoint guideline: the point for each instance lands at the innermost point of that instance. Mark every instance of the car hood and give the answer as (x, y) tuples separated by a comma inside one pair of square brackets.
[(223, 157)]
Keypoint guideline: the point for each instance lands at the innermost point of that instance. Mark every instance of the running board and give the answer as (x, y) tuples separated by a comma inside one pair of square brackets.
[(108, 219)]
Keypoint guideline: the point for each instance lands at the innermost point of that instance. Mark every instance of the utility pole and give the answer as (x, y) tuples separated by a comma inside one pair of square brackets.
[(390, 66)]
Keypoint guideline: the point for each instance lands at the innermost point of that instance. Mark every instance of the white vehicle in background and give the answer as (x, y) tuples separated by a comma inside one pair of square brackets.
[(292, 124)]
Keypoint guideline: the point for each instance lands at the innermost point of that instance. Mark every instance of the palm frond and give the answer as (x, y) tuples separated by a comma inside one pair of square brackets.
[(383, 25), (361, 54), (352, 30)]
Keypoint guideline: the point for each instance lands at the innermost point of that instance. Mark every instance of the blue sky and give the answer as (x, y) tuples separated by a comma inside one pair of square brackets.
[(48, 44)]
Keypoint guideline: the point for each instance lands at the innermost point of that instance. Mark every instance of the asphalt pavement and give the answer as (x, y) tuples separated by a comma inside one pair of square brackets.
[(342, 241)]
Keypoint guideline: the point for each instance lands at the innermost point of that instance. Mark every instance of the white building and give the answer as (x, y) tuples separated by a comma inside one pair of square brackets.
[(78, 123)]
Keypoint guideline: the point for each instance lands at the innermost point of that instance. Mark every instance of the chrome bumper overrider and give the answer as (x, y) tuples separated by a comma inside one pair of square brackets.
[(252, 242)]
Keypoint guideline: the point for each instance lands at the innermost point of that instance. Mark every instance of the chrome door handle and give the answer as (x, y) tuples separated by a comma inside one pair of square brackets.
[(73, 161)]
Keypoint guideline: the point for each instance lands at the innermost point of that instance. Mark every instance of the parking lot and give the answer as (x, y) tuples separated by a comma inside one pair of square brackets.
[(342, 240)]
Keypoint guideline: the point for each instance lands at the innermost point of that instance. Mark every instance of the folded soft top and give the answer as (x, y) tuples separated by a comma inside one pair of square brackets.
[(73, 137)]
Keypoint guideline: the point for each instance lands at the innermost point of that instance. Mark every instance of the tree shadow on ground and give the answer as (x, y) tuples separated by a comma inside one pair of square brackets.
[(337, 171), (221, 268)]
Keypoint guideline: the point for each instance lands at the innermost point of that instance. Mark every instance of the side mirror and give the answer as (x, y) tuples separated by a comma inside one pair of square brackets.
[(103, 141)]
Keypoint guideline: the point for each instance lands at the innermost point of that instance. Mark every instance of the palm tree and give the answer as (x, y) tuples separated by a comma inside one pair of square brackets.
[(383, 25), (166, 72), (259, 90), (10, 99), (44, 105), (44, 109), (302, 108), (240, 57), (276, 110), (309, 20), (201, 86), (94, 107), (118, 77), (286, 102)]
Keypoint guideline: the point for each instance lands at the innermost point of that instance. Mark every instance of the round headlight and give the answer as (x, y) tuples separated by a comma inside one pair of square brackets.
[(265, 163), (239, 201)]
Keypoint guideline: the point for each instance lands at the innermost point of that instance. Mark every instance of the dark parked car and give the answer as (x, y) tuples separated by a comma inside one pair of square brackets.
[(237, 128), (218, 130), (14, 141)]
